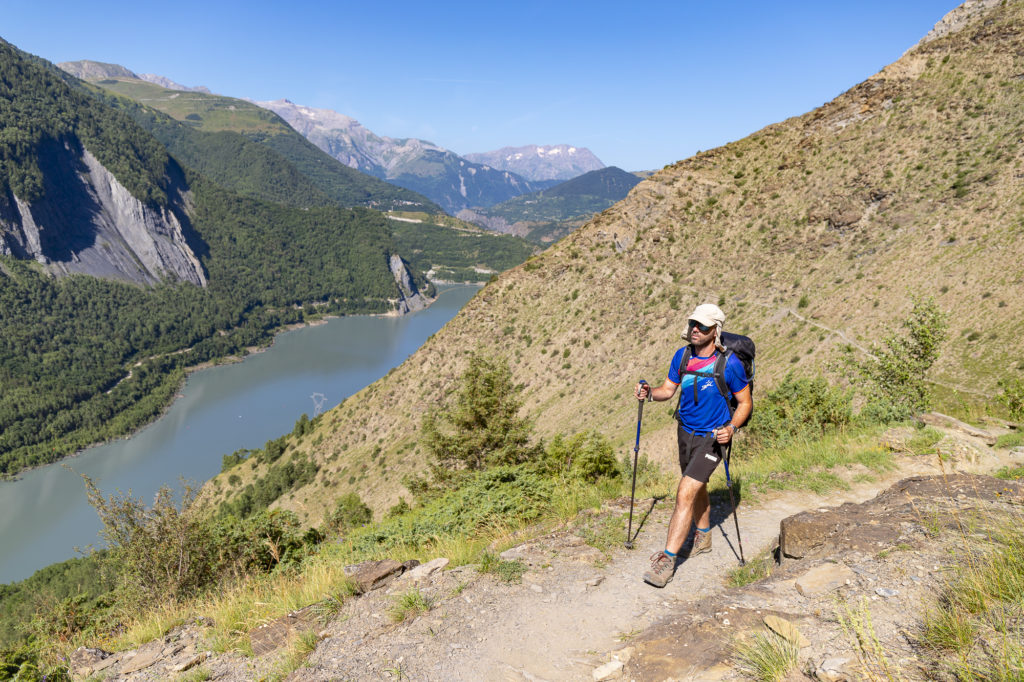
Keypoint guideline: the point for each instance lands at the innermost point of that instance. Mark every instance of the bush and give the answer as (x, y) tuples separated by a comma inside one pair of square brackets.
[(799, 409), (484, 499), (168, 552), (1013, 397), (349, 512), (897, 375), (157, 553), (586, 456)]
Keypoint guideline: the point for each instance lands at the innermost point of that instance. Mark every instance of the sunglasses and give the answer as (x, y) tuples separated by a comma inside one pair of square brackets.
[(703, 327)]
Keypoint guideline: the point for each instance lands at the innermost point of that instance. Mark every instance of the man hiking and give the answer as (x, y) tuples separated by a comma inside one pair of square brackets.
[(706, 426)]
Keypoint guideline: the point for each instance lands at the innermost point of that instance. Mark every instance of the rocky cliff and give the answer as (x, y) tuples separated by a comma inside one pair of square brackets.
[(87, 222)]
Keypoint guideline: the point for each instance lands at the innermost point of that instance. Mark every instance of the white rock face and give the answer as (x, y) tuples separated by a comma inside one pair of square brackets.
[(411, 299), (89, 223)]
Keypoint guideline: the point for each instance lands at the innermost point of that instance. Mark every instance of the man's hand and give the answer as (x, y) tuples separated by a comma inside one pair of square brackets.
[(724, 434), (642, 390)]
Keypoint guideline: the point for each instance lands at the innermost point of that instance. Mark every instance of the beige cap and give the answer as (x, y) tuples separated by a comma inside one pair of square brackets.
[(708, 314)]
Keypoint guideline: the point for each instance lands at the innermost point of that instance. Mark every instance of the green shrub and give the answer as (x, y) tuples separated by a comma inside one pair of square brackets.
[(898, 373), (484, 499), (1013, 396), (587, 456), (799, 409), (349, 512), (168, 552)]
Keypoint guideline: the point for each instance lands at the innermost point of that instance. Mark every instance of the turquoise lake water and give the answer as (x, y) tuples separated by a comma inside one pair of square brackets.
[(44, 515)]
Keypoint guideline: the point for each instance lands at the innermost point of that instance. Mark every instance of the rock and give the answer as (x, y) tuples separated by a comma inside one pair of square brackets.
[(84, 661), (146, 656), (834, 670), (371, 575), (823, 579), (594, 582), (187, 664), (608, 671), (423, 570), (783, 628), (886, 592)]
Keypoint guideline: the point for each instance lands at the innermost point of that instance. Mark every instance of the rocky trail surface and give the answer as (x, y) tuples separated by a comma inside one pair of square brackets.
[(580, 613)]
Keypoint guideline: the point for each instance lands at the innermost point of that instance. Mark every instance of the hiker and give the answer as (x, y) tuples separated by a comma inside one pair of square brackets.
[(706, 425)]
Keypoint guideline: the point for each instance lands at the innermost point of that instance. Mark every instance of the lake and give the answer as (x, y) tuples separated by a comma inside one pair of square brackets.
[(44, 515)]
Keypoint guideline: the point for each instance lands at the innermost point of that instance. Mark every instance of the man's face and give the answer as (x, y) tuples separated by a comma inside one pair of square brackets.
[(700, 333)]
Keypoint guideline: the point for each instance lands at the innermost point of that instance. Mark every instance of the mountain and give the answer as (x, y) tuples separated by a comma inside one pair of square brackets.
[(548, 215), (439, 174), (245, 147), (541, 162), (93, 205), (813, 234), (90, 70)]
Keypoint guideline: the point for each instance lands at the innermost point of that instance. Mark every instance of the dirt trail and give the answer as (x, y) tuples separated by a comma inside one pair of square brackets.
[(569, 615)]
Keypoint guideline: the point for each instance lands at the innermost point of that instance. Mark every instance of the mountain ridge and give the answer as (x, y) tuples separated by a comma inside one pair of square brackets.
[(541, 162), (438, 173)]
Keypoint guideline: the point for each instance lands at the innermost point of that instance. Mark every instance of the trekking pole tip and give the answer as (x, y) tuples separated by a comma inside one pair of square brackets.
[(629, 544)]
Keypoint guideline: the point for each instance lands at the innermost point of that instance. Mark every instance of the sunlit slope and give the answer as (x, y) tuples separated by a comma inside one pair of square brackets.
[(812, 234)]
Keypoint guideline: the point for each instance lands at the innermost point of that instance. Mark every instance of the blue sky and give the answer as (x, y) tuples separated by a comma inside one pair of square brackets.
[(640, 84)]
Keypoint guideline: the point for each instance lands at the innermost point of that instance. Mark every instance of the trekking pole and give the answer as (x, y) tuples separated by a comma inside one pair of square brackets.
[(732, 499), (636, 453)]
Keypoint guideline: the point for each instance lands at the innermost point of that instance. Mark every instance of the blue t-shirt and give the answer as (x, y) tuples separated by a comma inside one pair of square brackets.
[(711, 410)]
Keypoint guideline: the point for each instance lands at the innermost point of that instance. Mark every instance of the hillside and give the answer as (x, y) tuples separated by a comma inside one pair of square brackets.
[(541, 162), (813, 234), (244, 147), (446, 178), (548, 215)]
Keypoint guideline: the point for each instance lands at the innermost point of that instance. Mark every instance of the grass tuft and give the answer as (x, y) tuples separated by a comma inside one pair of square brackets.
[(410, 604), (765, 657), (756, 569)]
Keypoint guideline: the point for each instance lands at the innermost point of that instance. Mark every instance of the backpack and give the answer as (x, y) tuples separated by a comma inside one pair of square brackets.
[(735, 344)]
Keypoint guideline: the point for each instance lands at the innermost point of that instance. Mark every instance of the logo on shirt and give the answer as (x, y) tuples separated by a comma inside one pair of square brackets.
[(712, 458)]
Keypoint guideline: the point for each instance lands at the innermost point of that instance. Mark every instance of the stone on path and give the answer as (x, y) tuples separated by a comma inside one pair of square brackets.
[(789, 632), (823, 579), (608, 671)]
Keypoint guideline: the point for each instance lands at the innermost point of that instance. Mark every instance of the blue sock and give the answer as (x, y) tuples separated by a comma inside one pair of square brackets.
[(671, 554), (703, 530)]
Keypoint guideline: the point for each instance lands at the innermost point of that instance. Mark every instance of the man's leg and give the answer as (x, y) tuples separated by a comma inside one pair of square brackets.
[(691, 502), (663, 564)]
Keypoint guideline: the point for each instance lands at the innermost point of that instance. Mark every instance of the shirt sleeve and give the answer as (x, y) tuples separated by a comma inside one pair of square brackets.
[(735, 375), (673, 370)]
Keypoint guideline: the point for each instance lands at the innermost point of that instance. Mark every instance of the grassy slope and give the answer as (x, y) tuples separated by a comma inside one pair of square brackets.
[(909, 183)]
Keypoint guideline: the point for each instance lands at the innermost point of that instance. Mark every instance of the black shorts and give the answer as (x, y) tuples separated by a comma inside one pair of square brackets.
[(699, 455)]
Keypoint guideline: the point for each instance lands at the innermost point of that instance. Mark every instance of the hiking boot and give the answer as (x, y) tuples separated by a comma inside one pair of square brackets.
[(663, 567), (701, 543)]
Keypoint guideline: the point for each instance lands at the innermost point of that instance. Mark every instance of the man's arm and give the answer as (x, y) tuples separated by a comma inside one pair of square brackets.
[(663, 392), (744, 406)]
